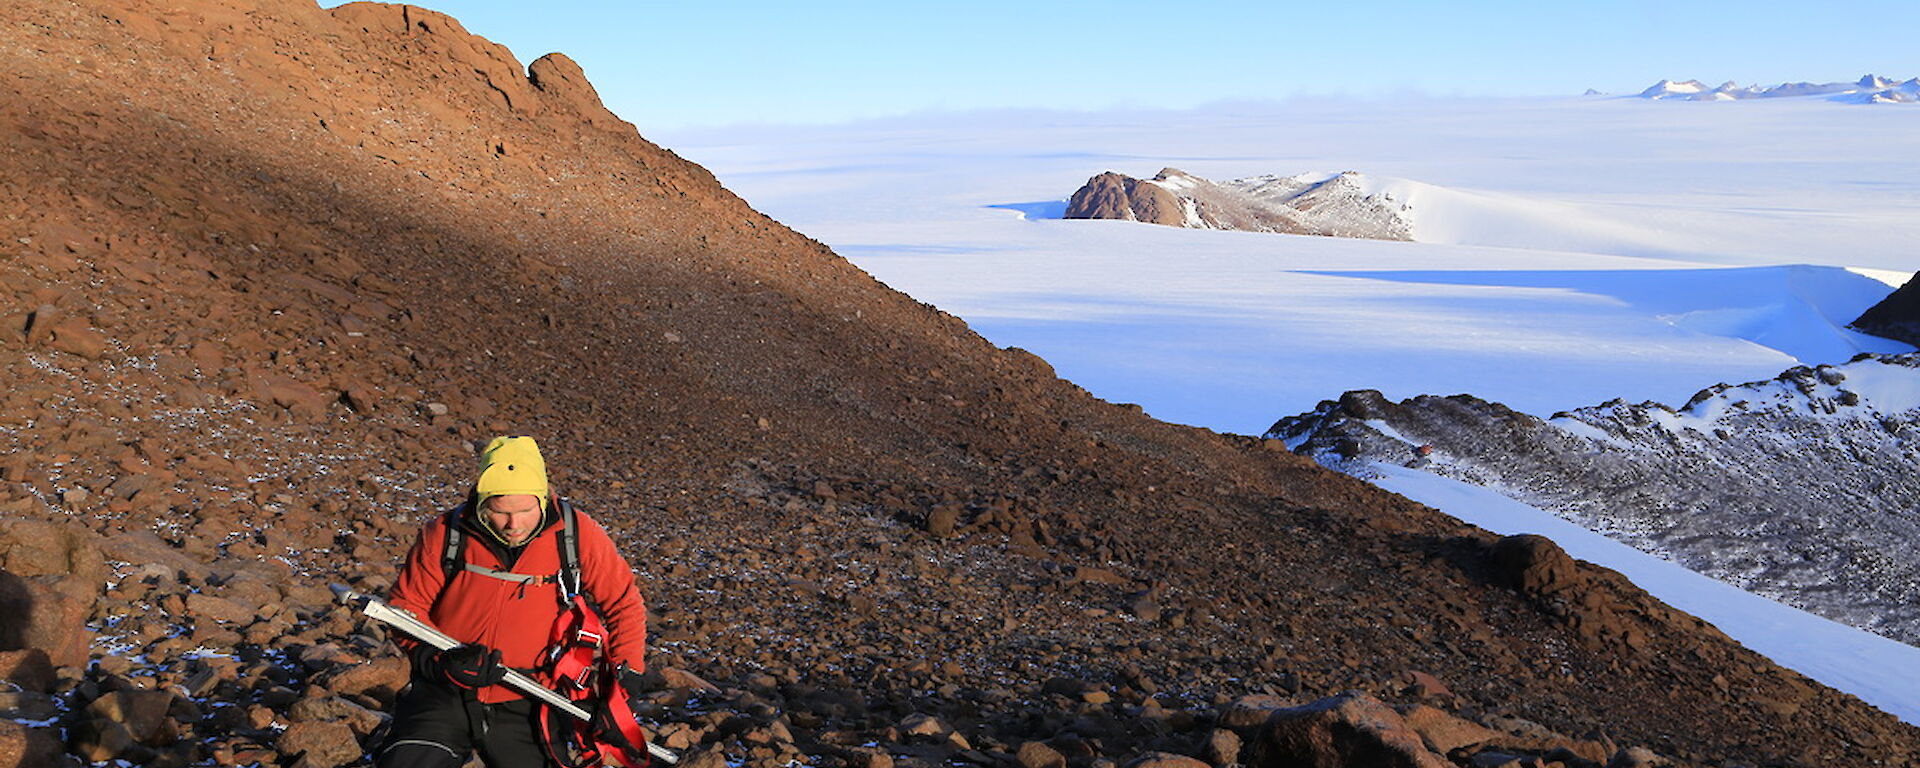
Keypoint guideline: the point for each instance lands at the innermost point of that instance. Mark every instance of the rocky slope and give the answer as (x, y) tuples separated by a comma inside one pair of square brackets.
[(1805, 488), (1335, 206), (1896, 317), (269, 271)]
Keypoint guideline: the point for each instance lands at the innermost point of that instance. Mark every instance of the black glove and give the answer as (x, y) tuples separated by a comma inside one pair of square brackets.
[(631, 682), (467, 666)]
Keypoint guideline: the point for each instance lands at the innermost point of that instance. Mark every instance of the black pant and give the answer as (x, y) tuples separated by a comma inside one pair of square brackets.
[(436, 725)]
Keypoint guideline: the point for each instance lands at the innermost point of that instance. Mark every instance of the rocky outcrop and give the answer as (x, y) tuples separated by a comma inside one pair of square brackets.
[(1116, 196), (1333, 206), (1896, 317), (1797, 488)]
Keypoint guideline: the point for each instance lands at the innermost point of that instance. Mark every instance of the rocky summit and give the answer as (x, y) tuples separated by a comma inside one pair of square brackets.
[(268, 273), (1340, 205)]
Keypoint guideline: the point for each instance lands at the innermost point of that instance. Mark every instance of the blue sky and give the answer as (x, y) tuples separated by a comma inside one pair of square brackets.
[(678, 65)]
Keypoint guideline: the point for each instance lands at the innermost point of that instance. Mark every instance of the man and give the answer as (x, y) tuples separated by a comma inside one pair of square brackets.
[(502, 599)]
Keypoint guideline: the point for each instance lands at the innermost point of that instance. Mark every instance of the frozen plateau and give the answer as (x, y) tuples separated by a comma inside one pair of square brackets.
[(1558, 253)]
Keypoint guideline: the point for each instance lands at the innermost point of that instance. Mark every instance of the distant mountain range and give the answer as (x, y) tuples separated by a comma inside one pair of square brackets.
[(1871, 89), (1345, 204)]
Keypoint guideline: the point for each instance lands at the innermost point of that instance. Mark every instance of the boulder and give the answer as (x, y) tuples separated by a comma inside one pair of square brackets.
[(210, 608), (30, 669), (49, 613), (1252, 710), (324, 744), (1164, 760), (331, 709), (1222, 748), (25, 746), (1444, 732), (379, 679), (1034, 754), (74, 336), (37, 548), (1345, 730), (124, 724)]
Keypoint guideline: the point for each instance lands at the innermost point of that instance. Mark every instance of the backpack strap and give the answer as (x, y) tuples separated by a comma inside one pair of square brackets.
[(453, 555), (569, 551)]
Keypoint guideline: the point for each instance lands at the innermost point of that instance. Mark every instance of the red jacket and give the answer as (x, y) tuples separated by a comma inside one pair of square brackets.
[(515, 618)]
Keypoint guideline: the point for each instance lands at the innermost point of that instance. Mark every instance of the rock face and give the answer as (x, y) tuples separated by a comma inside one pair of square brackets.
[(328, 252), (1897, 316), (1800, 488), (1334, 206)]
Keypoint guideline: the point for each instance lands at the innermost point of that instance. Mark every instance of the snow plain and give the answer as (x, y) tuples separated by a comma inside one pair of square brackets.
[(1567, 252)]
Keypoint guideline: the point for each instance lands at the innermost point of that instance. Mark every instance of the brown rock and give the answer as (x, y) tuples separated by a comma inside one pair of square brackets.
[(1637, 757), (324, 744), (921, 724), (859, 758), (1034, 754), (328, 709), (48, 613), (1346, 730), (1252, 710), (73, 336), (1222, 748), (23, 746), (30, 669), (379, 679), (206, 607), (712, 757), (1164, 760), (34, 548), (1535, 565), (674, 677), (1427, 686), (942, 520), (1443, 732), (299, 398), (124, 724), (40, 323)]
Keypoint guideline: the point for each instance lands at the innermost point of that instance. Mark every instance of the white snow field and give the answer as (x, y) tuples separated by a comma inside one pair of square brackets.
[(1567, 251), (1881, 672)]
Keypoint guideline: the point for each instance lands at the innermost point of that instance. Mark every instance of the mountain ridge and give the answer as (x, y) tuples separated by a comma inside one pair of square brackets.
[(1869, 89), (1797, 488)]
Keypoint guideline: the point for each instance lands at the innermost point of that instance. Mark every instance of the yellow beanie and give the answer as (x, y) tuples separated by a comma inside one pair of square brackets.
[(511, 465)]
